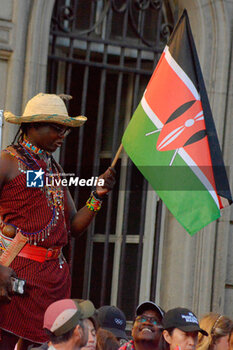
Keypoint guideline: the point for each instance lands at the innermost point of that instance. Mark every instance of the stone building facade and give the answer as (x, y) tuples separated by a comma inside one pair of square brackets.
[(195, 272)]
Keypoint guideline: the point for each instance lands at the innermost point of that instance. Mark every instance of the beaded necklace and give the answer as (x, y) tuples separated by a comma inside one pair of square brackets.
[(54, 194), (31, 147)]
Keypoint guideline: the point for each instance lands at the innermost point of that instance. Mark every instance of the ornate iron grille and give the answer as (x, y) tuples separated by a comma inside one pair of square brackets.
[(103, 52)]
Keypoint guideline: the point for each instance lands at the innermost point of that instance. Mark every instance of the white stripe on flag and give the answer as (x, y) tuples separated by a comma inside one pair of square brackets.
[(181, 74), (153, 117), (201, 176)]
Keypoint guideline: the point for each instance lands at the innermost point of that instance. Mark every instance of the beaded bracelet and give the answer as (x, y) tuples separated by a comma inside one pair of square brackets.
[(93, 203)]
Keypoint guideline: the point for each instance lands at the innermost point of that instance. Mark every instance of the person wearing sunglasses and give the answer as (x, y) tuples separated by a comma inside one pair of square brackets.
[(147, 328), (38, 216)]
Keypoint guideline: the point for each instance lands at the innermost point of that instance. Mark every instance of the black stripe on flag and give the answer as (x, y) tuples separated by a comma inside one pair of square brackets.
[(183, 50), (179, 47)]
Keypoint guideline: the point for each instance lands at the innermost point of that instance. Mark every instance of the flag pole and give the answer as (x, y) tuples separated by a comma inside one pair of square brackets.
[(117, 156)]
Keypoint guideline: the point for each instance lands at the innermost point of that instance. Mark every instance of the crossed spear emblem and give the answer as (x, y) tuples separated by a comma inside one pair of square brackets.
[(184, 126)]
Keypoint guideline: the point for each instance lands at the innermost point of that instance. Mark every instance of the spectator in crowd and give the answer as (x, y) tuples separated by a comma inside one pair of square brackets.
[(113, 319), (92, 329), (66, 323), (181, 329), (147, 328), (106, 340), (219, 328)]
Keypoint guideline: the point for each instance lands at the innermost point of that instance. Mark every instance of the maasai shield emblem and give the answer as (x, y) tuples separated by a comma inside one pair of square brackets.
[(184, 127)]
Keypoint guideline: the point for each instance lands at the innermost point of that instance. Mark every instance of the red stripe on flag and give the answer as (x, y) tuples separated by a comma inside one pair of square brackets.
[(166, 97)]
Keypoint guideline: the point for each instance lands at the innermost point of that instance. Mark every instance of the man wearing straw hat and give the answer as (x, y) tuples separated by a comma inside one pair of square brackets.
[(35, 221)]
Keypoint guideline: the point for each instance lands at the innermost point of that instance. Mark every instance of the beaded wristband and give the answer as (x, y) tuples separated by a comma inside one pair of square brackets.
[(93, 203)]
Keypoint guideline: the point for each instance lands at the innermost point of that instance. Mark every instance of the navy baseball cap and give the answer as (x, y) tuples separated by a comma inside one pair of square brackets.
[(112, 319)]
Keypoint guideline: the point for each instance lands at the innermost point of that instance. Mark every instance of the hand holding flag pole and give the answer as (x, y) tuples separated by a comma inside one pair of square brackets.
[(117, 156)]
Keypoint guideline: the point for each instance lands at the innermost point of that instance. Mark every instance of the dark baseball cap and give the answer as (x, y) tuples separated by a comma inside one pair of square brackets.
[(183, 319), (112, 319), (149, 305)]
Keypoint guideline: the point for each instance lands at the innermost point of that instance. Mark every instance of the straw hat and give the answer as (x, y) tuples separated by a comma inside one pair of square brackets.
[(45, 108)]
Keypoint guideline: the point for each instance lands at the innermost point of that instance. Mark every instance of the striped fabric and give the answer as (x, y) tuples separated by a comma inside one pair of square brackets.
[(46, 282)]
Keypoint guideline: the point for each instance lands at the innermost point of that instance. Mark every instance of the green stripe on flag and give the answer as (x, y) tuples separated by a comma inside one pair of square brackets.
[(179, 188)]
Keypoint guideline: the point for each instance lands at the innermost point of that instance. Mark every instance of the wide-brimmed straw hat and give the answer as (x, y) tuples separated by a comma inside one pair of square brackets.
[(48, 108)]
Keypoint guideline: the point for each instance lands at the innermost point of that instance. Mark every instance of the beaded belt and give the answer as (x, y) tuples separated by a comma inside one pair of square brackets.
[(39, 253)]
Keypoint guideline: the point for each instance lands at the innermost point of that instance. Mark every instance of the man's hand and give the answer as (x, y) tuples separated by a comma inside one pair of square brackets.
[(109, 182), (5, 283), (81, 219)]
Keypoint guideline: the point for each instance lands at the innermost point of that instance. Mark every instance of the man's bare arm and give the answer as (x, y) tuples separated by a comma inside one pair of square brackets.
[(81, 219)]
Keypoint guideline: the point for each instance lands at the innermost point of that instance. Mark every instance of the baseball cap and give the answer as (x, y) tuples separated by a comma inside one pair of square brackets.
[(112, 319), (149, 305), (182, 319), (63, 315)]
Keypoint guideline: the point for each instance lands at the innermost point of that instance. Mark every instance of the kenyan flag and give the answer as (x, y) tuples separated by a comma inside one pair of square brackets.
[(172, 138)]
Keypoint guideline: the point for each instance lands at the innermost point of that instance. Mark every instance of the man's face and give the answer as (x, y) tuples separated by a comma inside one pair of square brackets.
[(48, 136), (84, 332), (91, 342), (147, 327), (185, 340)]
